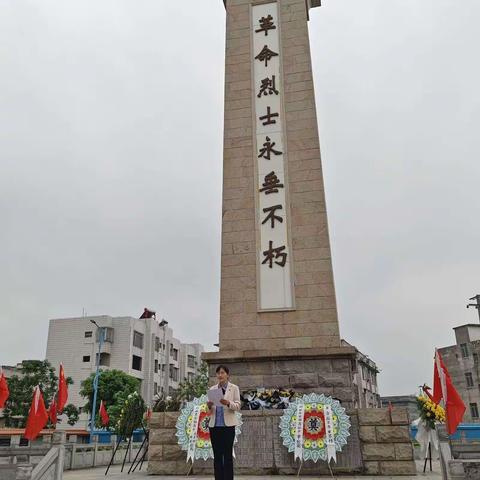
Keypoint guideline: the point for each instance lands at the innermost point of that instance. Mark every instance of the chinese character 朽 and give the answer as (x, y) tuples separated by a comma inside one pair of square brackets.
[(268, 149), (274, 254), (268, 87), (271, 184), (268, 117), (271, 215), (266, 24), (266, 55)]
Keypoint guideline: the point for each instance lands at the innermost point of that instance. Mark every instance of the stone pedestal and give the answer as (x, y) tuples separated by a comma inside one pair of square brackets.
[(379, 444), (329, 370)]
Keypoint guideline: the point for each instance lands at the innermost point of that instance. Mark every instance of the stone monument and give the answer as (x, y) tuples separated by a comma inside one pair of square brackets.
[(278, 314)]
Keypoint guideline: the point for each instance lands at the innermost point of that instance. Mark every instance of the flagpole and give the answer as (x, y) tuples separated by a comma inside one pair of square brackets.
[(95, 381)]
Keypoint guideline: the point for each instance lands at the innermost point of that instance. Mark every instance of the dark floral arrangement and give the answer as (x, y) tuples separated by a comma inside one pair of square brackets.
[(272, 398)]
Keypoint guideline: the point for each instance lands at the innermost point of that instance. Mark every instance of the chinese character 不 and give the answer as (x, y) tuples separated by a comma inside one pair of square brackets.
[(266, 24), (271, 184), (268, 149), (268, 117), (271, 215), (266, 55), (275, 254), (268, 87)]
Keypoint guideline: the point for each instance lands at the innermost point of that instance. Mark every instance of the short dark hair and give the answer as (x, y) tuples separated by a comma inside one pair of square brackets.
[(223, 367)]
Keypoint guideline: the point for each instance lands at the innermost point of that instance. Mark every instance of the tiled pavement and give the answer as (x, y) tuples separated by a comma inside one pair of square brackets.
[(114, 474)]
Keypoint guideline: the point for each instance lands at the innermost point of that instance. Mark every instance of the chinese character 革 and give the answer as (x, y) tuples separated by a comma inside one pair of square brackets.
[(276, 254), (266, 24), (268, 149)]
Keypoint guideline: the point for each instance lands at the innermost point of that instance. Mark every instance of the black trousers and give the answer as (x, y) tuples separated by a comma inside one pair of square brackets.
[(222, 443)]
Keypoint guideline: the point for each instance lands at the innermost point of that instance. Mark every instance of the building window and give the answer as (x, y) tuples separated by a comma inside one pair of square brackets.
[(157, 344), (155, 388), (174, 353), (156, 366), (88, 334), (136, 363), (475, 358), (469, 379), (190, 376), (107, 333), (137, 339), (191, 361), (464, 348), (474, 410), (86, 358), (173, 374)]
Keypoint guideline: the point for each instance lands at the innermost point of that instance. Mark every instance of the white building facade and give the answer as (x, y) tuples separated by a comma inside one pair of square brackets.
[(142, 348)]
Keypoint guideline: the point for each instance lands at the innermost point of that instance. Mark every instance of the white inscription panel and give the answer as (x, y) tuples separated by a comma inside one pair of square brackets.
[(274, 253)]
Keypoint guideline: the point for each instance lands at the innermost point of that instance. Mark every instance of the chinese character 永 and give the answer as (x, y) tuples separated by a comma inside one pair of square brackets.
[(271, 215), (274, 254), (268, 117), (271, 184), (268, 87), (268, 149), (266, 24), (266, 55)]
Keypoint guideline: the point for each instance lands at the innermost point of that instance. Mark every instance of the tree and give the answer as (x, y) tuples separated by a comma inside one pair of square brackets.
[(72, 412), (114, 386), (33, 373)]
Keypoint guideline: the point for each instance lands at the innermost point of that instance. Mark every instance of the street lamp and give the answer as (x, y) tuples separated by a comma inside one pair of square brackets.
[(100, 331), (475, 305)]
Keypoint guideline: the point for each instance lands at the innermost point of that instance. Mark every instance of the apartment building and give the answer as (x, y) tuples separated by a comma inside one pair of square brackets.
[(143, 348)]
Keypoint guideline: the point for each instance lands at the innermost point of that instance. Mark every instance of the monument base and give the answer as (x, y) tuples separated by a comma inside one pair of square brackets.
[(320, 370)]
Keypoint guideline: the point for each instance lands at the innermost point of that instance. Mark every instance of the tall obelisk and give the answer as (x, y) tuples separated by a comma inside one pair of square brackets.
[(278, 314)]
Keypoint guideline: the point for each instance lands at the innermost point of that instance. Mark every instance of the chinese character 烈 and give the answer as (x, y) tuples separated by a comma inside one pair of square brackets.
[(266, 24), (266, 55), (268, 87), (268, 149), (274, 254)]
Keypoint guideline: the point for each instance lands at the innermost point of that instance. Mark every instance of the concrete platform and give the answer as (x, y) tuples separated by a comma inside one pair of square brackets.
[(114, 474)]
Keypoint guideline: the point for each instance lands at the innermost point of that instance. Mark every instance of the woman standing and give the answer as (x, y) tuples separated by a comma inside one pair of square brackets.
[(222, 425)]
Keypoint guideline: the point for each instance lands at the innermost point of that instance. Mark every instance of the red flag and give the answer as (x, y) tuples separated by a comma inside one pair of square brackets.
[(52, 412), (4, 392), (443, 388), (104, 414), (37, 416), (147, 313), (62, 391), (148, 414)]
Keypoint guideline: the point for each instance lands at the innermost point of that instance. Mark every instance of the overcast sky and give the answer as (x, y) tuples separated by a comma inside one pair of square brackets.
[(111, 124)]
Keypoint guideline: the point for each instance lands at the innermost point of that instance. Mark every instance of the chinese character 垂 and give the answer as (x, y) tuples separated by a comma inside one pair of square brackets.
[(271, 184)]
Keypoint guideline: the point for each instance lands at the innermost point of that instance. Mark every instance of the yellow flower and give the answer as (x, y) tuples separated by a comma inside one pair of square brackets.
[(293, 431), (428, 414), (307, 443), (308, 407), (200, 443), (320, 443)]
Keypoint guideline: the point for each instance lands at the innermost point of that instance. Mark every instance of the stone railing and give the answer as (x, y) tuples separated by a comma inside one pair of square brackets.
[(379, 444), (44, 462)]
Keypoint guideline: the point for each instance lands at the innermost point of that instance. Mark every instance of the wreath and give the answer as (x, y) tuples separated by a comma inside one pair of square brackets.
[(314, 426), (185, 428)]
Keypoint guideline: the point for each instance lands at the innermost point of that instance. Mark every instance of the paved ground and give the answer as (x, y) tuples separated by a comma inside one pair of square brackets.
[(114, 474)]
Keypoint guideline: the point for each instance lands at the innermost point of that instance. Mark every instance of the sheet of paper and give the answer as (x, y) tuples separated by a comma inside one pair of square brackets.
[(215, 396)]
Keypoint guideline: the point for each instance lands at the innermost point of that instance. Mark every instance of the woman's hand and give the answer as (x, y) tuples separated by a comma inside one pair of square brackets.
[(224, 402), (209, 405)]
